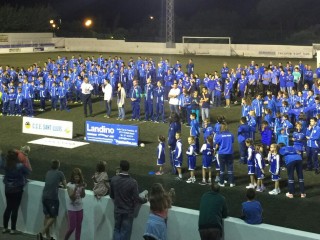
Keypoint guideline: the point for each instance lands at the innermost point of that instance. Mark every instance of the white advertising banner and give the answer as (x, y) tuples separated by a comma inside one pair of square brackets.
[(55, 142), (47, 127)]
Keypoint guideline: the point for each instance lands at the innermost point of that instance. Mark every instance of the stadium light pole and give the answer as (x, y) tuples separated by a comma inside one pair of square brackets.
[(170, 42)]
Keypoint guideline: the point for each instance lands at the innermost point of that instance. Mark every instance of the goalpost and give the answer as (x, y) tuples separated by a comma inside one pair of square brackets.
[(219, 46)]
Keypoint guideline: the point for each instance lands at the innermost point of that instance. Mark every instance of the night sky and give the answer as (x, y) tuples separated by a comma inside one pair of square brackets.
[(221, 17)]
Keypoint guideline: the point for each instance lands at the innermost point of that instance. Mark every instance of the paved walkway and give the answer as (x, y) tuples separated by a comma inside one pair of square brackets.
[(18, 236)]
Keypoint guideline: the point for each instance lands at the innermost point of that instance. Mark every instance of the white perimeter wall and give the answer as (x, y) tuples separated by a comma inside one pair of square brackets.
[(98, 220), (25, 38), (110, 46), (277, 51)]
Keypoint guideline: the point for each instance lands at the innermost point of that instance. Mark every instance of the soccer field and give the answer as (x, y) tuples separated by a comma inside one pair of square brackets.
[(278, 210)]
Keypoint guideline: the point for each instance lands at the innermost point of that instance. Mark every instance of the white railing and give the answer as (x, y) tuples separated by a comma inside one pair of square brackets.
[(98, 220)]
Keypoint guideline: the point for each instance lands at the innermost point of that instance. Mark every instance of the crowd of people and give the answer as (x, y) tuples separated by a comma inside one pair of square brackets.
[(280, 102), (123, 190)]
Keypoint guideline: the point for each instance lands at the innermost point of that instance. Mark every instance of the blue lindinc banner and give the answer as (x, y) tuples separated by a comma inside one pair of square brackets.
[(112, 133)]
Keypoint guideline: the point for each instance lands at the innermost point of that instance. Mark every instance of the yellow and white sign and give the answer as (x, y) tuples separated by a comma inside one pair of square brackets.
[(47, 127)]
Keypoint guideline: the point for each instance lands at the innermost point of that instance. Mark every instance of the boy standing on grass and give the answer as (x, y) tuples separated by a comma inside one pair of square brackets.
[(191, 160), (177, 158), (195, 131)]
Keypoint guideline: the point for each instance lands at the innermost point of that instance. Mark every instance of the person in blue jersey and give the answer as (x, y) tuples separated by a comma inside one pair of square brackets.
[(191, 156), (274, 161), (195, 131), (257, 106), (243, 134), (299, 138), (135, 97), (242, 86), (205, 103), (190, 67), (148, 101), (12, 101), (227, 92), (161, 157), (142, 75), (251, 209), (224, 146), (174, 127), (259, 166), (252, 122), (224, 74), (308, 76), (266, 138), (178, 156), (42, 93), (158, 94), (313, 137), (251, 163), (207, 154), (18, 103), (266, 80), (54, 96), (168, 82), (246, 107), (217, 94), (27, 96), (293, 163), (207, 129)]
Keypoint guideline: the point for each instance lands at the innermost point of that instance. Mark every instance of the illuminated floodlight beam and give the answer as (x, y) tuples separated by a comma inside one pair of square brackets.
[(88, 22)]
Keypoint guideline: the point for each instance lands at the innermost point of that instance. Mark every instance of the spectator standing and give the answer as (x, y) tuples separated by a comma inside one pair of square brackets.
[(124, 192), (121, 97), (107, 90), (50, 200), (76, 191), (213, 209), (14, 181), (224, 143)]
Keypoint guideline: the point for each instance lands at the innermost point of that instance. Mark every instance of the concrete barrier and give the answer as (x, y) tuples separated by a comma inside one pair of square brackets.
[(98, 220)]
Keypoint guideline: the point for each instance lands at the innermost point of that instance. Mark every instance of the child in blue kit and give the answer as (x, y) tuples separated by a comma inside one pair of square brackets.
[(191, 154), (5, 102), (177, 156), (251, 163), (42, 93), (217, 94), (274, 160), (62, 94), (54, 96), (12, 102), (195, 131), (243, 134), (299, 139), (18, 103), (259, 167), (207, 151), (161, 157)]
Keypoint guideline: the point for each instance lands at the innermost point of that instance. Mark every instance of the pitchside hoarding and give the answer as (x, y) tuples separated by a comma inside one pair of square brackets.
[(47, 127), (116, 134)]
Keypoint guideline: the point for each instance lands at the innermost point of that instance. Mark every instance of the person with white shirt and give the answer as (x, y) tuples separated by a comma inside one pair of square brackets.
[(107, 90), (86, 89), (173, 95)]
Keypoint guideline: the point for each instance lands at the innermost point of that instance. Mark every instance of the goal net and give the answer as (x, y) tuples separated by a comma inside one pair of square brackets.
[(218, 46)]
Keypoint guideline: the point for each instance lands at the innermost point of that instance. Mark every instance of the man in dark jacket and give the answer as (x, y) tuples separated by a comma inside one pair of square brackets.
[(213, 209), (125, 195)]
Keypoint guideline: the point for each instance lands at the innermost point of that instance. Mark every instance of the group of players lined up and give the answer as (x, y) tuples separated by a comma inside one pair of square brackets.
[(218, 150), (60, 80)]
